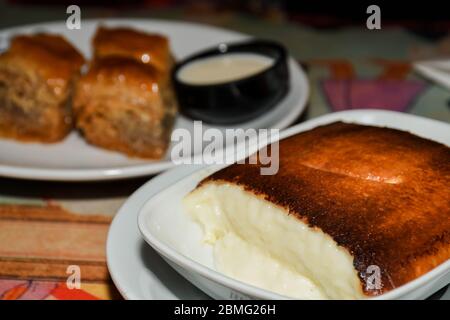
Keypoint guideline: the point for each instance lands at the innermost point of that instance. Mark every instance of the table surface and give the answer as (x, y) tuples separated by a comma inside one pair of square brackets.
[(47, 226)]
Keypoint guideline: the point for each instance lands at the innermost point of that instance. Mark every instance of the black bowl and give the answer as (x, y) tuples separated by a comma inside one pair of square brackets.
[(238, 100)]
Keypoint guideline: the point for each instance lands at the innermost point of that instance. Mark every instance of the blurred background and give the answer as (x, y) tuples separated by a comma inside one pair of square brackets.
[(329, 38), (430, 19)]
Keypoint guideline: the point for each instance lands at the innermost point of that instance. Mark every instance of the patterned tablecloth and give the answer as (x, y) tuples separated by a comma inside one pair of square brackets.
[(46, 227)]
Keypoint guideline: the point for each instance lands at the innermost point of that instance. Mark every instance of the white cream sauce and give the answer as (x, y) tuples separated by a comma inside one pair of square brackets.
[(223, 68)]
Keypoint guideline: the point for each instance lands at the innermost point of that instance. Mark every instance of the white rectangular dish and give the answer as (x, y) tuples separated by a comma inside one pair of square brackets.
[(170, 231)]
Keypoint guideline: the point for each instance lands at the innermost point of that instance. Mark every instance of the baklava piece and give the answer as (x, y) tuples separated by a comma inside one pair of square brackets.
[(123, 105), (147, 48), (36, 78), (126, 102)]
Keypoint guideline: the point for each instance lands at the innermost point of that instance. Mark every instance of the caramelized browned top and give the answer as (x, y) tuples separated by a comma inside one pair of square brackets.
[(382, 194), (50, 56), (152, 49)]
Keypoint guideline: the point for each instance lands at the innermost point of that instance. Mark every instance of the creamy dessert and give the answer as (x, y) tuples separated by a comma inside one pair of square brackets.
[(354, 211), (242, 261)]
